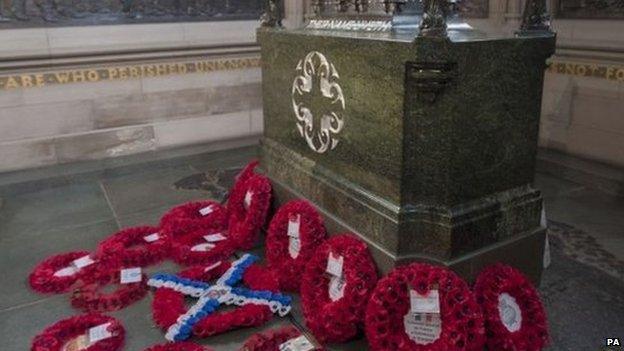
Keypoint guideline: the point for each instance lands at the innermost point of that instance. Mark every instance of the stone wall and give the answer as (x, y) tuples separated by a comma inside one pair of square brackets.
[(583, 102), (83, 93)]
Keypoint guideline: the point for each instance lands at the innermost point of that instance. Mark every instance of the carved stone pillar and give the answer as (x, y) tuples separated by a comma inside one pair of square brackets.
[(294, 11)]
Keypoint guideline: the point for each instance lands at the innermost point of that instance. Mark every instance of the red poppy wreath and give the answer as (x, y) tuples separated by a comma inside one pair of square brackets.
[(207, 271), (130, 286), (423, 307), (336, 284), (514, 315), (242, 317), (248, 206), (193, 216), (59, 273), (272, 340), (169, 304), (248, 171), (88, 332), (136, 247), (178, 346), (201, 247), (294, 234)]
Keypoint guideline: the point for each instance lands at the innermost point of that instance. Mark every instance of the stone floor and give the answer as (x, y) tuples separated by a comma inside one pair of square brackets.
[(583, 289)]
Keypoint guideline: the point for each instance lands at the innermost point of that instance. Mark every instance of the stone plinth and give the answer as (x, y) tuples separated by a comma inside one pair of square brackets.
[(428, 147)]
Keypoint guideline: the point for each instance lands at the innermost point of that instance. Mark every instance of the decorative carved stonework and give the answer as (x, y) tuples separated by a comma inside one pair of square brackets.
[(535, 16), (318, 102), (342, 8), (318, 6), (394, 6), (36, 13), (434, 18), (430, 79), (272, 16)]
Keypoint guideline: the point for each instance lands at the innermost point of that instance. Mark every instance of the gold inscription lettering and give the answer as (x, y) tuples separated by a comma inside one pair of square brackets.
[(39, 80), (172, 68), (123, 72), (33, 80), (78, 76), (594, 70), (62, 77), (150, 70), (113, 73), (93, 76), (569, 68), (26, 81), (161, 70), (135, 72), (12, 83), (587, 70)]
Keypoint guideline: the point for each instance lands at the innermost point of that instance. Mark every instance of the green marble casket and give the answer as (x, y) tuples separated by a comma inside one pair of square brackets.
[(423, 146)]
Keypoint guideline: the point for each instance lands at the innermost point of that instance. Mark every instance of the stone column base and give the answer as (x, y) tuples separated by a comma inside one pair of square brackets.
[(503, 227), (524, 250)]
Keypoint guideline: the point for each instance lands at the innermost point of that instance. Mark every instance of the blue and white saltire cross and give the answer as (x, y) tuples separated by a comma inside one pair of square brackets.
[(212, 296)]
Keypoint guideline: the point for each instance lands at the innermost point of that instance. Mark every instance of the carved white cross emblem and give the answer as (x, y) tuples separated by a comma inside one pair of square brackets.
[(317, 81)]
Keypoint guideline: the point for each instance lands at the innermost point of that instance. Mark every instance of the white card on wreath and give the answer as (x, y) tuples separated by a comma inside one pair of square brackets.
[(130, 275), (509, 312), (294, 247), (100, 332), (151, 238), (78, 343), (66, 272), (334, 264), (293, 226), (428, 303), (337, 287), (300, 343), (213, 238), (205, 247), (248, 198), (206, 210), (422, 328), (83, 262)]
